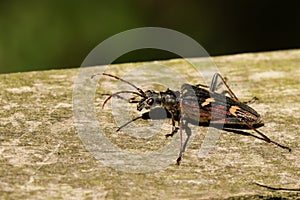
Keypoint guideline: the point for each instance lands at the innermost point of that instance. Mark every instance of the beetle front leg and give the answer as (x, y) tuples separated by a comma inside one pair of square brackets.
[(174, 128), (173, 132)]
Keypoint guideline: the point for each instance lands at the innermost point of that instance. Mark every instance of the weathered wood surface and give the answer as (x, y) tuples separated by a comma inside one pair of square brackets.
[(43, 157)]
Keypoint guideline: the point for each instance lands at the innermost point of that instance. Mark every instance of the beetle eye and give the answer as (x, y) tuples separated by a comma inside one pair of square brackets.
[(150, 101)]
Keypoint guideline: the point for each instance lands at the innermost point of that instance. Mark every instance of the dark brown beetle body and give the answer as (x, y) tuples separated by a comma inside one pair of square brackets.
[(195, 104)]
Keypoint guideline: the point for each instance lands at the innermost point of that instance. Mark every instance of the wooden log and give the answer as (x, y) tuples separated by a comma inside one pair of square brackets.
[(43, 156)]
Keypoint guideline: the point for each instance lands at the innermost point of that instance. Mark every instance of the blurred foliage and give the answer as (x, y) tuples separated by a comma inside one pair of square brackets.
[(48, 34)]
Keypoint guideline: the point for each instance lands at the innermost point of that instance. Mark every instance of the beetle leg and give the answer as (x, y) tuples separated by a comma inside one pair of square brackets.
[(214, 85), (251, 101), (183, 146), (265, 138), (174, 128), (172, 133)]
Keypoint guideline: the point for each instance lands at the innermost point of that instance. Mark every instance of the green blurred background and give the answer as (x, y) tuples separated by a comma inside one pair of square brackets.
[(50, 34)]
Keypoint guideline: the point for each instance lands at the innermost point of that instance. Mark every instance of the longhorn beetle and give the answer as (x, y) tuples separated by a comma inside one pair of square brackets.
[(194, 104)]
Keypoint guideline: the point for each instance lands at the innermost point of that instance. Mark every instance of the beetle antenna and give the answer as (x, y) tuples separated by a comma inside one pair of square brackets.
[(140, 117), (117, 93), (142, 93)]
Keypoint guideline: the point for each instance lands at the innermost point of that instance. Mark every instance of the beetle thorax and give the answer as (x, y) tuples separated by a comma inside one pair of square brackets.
[(169, 99)]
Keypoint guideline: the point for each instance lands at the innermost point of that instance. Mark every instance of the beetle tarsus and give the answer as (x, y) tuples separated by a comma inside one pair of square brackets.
[(178, 160), (173, 132)]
